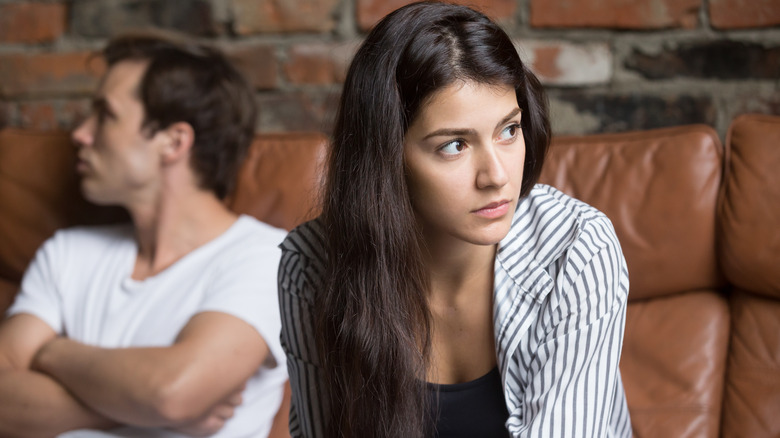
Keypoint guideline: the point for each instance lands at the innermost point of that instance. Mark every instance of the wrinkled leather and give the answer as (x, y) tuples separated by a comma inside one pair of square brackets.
[(752, 400), (674, 363)]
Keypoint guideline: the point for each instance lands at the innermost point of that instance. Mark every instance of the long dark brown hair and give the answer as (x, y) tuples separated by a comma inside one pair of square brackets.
[(372, 315)]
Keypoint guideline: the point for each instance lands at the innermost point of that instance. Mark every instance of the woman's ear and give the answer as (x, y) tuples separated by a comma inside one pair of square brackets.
[(179, 140)]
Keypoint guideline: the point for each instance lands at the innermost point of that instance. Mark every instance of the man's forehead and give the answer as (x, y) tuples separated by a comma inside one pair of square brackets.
[(122, 78)]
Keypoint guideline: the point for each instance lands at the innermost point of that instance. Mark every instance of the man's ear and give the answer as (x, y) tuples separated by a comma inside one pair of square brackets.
[(179, 140)]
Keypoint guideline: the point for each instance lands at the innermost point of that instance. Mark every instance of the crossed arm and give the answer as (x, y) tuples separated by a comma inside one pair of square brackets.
[(50, 384)]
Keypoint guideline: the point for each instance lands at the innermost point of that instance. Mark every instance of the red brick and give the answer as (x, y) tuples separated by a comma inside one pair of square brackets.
[(31, 22), (257, 63), (733, 14), (48, 73), (568, 64), (620, 14), (369, 12), (319, 63), (272, 16), (545, 63)]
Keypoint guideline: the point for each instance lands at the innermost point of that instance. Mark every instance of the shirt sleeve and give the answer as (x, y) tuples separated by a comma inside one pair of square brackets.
[(309, 406), (245, 287), (39, 294), (574, 388)]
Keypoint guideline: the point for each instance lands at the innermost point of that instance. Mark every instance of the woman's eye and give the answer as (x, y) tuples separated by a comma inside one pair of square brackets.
[(509, 132), (453, 148)]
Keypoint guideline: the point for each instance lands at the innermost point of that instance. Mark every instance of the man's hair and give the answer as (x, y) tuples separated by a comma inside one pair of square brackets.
[(186, 81)]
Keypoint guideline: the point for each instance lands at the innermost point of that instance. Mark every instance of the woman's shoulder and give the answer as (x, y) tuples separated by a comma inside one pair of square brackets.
[(550, 226), (302, 265), (547, 201), (307, 239)]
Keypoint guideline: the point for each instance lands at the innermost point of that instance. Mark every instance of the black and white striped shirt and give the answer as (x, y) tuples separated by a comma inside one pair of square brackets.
[(560, 292)]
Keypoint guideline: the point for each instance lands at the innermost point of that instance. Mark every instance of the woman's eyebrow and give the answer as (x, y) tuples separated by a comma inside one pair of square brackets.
[(509, 116), (452, 132)]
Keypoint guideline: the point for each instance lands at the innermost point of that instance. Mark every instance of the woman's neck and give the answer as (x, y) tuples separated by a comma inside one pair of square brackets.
[(459, 268)]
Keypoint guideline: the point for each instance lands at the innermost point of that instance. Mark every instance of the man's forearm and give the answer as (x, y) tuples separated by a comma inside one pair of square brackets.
[(34, 405), (213, 357), (128, 385)]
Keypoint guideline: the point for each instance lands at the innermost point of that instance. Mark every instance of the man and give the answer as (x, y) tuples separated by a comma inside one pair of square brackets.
[(169, 325)]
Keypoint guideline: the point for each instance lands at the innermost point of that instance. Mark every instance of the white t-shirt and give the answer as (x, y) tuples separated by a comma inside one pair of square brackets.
[(80, 284)]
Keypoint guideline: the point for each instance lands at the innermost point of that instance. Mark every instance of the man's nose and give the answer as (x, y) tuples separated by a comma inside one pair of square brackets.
[(84, 134)]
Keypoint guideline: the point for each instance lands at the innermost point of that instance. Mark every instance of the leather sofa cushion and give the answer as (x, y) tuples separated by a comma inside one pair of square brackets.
[(752, 398), (659, 188), (674, 383), (750, 211)]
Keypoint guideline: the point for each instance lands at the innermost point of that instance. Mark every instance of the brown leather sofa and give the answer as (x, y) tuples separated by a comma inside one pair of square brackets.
[(699, 224)]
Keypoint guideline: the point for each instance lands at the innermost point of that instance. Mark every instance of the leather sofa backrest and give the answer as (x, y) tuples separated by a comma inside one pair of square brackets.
[(280, 179), (750, 216), (660, 189)]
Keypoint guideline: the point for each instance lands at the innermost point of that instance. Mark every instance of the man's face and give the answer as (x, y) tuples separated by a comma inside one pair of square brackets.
[(118, 162)]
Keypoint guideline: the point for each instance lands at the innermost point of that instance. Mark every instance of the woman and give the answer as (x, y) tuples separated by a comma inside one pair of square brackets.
[(442, 293)]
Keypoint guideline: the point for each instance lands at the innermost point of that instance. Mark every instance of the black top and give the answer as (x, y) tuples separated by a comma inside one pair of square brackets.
[(470, 409)]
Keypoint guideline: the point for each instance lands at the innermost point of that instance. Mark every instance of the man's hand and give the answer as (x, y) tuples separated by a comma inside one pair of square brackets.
[(214, 419)]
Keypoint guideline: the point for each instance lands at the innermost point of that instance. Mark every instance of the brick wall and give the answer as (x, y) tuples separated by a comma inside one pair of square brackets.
[(609, 65)]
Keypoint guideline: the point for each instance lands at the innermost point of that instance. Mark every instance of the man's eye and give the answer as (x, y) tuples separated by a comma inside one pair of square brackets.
[(453, 148), (509, 132)]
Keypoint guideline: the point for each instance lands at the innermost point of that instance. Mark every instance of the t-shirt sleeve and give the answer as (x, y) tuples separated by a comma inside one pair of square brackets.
[(245, 287), (40, 294)]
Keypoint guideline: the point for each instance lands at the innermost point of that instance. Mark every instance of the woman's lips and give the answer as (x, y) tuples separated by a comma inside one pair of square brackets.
[(493, 210)]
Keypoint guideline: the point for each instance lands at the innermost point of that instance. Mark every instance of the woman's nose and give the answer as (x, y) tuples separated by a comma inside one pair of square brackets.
[(491, 171)]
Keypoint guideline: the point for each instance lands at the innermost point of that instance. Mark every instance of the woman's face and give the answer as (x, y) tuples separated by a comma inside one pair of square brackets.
[(464, 155)]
